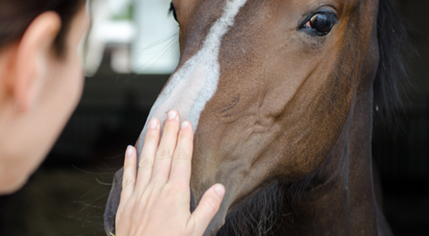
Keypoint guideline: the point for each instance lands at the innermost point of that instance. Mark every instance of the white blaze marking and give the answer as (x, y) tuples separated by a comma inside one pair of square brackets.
[(192, 86)]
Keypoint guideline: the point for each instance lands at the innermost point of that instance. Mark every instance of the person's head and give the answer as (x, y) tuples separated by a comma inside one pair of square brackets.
[(40, 80)]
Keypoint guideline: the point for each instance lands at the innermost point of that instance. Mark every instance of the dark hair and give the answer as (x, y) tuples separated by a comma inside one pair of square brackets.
[(17, 15), (392, 73)]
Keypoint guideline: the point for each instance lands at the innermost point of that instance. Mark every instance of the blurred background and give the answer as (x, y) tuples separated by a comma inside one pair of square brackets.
[(130, 52)]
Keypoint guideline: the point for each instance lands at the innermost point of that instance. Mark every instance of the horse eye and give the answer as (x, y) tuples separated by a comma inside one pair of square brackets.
[(172, 10), (322, 23)]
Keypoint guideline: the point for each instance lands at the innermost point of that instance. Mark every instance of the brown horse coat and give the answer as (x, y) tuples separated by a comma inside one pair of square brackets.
[(281, 94)]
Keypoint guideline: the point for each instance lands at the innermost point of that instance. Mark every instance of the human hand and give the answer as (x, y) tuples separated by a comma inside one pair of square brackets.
[(156, 200)]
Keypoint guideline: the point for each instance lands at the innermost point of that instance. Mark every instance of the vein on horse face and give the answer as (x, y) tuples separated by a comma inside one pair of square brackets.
[(195, 83)]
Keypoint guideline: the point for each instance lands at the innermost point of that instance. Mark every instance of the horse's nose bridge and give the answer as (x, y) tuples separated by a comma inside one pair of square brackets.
[(184, 93), (196, 81), (181, 94)]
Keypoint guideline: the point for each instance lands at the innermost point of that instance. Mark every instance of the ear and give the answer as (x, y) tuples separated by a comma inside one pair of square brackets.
[(34, 52)]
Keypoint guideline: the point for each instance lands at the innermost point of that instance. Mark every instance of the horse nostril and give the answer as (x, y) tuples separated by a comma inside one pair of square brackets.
[(192, 202)]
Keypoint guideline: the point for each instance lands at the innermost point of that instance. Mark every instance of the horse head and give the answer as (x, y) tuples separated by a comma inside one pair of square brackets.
[(279, 93)]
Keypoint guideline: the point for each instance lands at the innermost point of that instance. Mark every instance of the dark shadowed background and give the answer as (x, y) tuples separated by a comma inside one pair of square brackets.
[(66, 196)]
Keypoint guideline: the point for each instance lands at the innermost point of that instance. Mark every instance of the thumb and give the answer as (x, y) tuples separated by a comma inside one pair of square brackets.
[(207, 208)]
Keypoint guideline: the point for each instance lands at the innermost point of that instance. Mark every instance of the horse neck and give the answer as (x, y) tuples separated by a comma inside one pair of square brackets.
[(340, 199)]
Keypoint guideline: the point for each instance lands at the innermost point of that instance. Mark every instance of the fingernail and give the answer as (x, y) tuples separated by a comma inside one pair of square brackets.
[(153, 124), (185, 124), (171, 115), (129, 151), (220, 190)]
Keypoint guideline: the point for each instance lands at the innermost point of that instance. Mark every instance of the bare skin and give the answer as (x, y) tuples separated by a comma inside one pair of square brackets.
[(156, 201), (38, 93)]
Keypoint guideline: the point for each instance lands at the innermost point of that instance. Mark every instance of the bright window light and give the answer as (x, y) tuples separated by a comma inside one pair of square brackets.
[(155, 49)]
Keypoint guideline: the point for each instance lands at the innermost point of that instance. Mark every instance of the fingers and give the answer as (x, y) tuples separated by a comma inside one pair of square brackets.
[(207, 208), (129, 176), (181, 164), (161, 169), (148, 153)]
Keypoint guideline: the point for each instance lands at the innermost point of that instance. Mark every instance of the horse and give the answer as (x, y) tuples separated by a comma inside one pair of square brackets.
[(283, 95)]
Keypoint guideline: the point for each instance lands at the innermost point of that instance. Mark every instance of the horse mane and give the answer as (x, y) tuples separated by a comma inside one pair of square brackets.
[(263, 212), (392, 73)]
